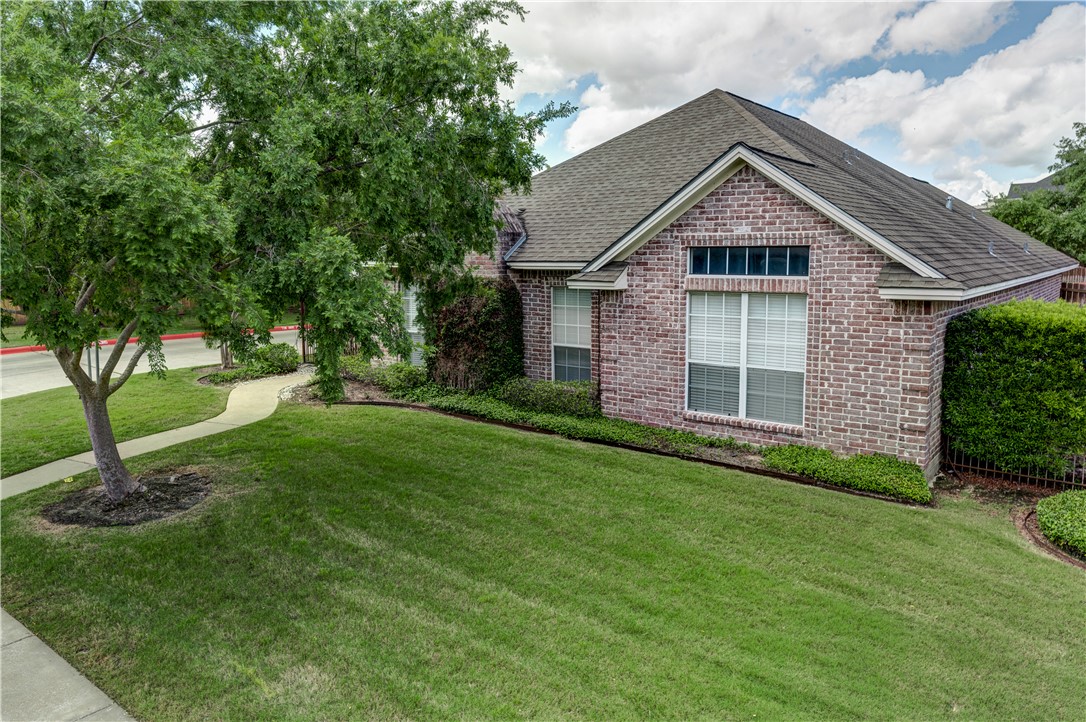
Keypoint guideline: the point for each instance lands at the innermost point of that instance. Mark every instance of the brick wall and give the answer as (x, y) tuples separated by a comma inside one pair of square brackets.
[(535, 295), (873, 365)]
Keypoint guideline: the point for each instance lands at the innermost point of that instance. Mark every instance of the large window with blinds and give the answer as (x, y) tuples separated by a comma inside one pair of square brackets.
[(571, 333), (410, 313), (746, 355)]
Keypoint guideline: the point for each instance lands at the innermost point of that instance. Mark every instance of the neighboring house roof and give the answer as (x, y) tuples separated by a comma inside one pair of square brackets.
[(587, 211), (1045, 184)]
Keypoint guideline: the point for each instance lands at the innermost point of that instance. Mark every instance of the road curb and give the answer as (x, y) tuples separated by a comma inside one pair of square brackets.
[(134, 339)]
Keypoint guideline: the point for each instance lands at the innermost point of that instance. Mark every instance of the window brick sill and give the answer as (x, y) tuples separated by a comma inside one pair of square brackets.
[(770, 427)]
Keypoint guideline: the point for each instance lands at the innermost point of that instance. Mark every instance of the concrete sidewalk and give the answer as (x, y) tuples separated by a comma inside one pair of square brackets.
[(35, 682)]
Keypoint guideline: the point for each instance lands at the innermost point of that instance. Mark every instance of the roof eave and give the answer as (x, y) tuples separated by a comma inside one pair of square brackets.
[(719, 171), (964, 294)]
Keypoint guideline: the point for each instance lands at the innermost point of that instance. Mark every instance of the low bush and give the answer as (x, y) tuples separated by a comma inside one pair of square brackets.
[(243, 373), (597, 428), (397, 379), (575, 398), (875, 473), (274, 358), (1062, 519), (268, 360)]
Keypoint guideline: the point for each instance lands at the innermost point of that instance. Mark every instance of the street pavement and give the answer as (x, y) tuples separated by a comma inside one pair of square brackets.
[(24, 373)]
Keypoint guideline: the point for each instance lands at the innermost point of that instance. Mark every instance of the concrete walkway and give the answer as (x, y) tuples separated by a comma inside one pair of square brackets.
[(35, 682)]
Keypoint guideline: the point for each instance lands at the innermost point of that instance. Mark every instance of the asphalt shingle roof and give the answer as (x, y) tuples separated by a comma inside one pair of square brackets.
[(580, 207)]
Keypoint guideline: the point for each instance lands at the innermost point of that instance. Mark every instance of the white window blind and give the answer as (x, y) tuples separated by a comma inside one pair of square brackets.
[(746, 354), (571, 333), (410, 313)]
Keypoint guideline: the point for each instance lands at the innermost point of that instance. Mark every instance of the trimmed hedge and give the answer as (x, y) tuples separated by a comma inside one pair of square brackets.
[(875, 473), (1014, 388), (475, 339), (575, 398), (1062, 519)]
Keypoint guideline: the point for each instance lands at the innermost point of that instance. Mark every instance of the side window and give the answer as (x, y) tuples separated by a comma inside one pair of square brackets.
[(571, 334), (410, 312)]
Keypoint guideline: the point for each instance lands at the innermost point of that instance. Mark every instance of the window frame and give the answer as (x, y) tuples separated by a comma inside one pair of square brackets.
[(744, 364), (581, 293), (728, 250), (411, 324)]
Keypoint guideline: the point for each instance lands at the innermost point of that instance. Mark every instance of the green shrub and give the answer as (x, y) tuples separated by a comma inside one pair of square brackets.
[(274, 358), (875, 473), (575, 398), (228, 377), (475, 338), (1014, 388), (1062, 519), (597, 428), (397, 380)]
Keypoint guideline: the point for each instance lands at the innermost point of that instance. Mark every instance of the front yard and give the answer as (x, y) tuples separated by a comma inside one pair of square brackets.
[(373, 562)]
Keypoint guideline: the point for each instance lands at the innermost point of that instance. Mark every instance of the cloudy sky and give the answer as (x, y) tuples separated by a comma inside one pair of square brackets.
[(967, 95)]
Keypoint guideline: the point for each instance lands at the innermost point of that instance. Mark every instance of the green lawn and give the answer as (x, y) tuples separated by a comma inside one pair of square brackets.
[(48, 425), (365, 562)]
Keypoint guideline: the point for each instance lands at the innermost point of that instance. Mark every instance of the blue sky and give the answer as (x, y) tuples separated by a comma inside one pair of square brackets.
[(969, 96)]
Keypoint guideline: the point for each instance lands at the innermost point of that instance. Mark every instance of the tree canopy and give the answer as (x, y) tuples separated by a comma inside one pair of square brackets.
[(1056, 217), (245, 156)]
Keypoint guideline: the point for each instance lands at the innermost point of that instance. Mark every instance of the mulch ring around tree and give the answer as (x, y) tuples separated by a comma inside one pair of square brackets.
[(163, 496)]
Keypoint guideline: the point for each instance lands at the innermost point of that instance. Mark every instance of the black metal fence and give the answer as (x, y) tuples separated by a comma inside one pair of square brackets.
[(1073, 477)]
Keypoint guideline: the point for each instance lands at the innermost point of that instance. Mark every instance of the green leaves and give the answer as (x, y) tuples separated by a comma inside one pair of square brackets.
[(1062, 519), (1014, 388), (1054, 217)]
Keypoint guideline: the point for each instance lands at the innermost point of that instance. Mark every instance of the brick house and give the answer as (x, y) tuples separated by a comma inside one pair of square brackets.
[(731, 270)]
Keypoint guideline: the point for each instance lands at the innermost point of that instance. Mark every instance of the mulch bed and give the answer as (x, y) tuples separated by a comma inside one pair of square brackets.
[(1025, 520), (163, 496)]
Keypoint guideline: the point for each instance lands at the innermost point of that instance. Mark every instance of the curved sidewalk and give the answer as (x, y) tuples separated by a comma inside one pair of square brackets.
[(35, 682)]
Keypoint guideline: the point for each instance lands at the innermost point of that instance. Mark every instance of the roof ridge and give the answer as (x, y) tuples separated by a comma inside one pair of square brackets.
[(773, 135), (623, 134)]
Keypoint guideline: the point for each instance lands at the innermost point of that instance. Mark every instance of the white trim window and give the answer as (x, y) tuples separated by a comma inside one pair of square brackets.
[(410, 313), (746, 355), (571, 334)]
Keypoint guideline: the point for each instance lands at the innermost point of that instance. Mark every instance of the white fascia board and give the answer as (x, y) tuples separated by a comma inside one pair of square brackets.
[(546, 265), (619, 284), (963, 294), (722, 169)]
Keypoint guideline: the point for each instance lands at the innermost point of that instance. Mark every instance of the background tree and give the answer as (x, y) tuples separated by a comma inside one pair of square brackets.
[(1055, 217), (243, 156)]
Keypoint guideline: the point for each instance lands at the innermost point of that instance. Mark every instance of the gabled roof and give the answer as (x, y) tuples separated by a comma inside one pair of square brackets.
[(1020, 189), (587, 210)]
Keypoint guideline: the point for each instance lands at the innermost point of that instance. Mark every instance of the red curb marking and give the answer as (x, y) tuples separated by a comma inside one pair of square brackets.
[(134, 339)]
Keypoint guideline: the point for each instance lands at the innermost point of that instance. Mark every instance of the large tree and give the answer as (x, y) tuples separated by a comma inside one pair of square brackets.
[(1057, 216), (244, 156)]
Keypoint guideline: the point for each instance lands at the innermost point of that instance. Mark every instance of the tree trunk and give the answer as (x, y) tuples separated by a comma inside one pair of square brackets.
[(118, 482), (226, 356)]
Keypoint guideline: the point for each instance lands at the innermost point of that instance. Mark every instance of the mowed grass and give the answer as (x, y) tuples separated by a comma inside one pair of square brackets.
[(48, 425), (363, 562)]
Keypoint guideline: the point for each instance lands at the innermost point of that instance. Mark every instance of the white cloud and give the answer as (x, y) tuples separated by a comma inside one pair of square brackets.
[(602, 119), (854, 105), (661, 54), (966, 180), (1007, 109), (946, 27)]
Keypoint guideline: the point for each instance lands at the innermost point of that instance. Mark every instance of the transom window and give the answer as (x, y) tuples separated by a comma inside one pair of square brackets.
[(746, 355), (750, 261), (571, 334)]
